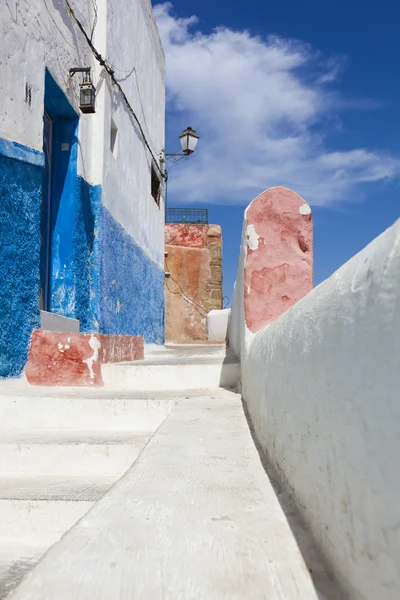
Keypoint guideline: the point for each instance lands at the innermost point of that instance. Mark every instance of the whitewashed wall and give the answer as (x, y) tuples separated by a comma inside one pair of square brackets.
[(35, 35), (239, 335), (140, 68), (322, 387)]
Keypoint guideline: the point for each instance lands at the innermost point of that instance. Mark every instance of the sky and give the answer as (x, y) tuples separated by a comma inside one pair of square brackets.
[(300, 94)]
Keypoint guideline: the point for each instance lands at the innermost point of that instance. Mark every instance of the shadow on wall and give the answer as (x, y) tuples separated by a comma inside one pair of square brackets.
[(325, 584), (86, 255)]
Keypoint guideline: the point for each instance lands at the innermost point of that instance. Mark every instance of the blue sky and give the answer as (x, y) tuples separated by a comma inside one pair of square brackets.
[(302, 94)]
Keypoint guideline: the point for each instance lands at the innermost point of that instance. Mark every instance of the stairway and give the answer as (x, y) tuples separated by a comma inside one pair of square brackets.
[(193, 514), (60, 451)]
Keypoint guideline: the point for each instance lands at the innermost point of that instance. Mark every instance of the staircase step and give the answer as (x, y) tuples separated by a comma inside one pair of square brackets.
[(54, 452), (16, 560), (174, 373), (51, 408), (57, 488), (34, 522)]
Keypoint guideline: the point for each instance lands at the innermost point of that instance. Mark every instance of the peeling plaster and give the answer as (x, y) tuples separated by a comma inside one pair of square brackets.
[(252, 238), (305, 209), (95, 344)]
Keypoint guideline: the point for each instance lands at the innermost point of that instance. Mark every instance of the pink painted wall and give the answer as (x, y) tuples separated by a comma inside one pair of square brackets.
[(279, 264), (186, 235), (194, 262)]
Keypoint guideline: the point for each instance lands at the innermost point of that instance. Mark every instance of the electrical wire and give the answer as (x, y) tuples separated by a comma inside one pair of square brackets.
[(96, 9), (102, 61), (184, 293), (185, 298)]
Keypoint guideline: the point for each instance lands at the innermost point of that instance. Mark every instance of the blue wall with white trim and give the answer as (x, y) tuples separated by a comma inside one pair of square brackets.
[(99, 274)]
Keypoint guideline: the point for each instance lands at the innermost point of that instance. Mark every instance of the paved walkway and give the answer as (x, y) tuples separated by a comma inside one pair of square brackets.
[(195, 517)]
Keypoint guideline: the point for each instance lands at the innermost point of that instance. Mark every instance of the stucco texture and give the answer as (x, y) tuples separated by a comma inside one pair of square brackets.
[(131, 286), (321, 384), (194, 287), (279, 264), (20, 204)]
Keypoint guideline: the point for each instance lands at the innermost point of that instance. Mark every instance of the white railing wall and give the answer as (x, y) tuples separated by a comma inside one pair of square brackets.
[(321, 384)]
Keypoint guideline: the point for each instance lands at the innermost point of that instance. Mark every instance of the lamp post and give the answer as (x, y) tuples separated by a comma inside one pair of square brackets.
[(188, 140)]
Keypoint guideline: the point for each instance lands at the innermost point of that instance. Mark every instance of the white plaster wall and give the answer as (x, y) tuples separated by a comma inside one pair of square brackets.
[(134, 49), (34, 35), (218, 324), (240, 336), (322, 386)]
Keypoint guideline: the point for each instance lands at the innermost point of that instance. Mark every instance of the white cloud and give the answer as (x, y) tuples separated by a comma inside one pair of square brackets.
[(259, 106)]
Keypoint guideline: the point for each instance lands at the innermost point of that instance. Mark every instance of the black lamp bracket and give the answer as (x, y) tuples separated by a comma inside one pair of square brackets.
[(86, 70), (175, 157)]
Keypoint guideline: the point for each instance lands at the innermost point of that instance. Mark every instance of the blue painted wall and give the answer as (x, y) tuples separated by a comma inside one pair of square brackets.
[(20, 205), (86, 256), (131, 285)]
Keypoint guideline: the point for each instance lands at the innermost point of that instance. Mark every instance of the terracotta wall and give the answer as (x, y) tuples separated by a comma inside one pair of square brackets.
[(194, 287)]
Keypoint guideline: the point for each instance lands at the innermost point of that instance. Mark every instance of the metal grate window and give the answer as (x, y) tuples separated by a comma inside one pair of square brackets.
[(187, 215)]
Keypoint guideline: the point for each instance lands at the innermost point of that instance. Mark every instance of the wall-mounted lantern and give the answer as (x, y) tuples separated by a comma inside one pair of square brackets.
[(87, 91), (188, 139)]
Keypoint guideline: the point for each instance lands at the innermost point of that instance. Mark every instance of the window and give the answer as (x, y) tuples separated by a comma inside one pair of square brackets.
[(113, 138), (155, 185)]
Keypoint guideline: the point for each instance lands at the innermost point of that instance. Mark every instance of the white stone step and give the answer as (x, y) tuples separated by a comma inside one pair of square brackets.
[(69, 453), (176, 372), (37, 511), (16, 559), (83, 409)]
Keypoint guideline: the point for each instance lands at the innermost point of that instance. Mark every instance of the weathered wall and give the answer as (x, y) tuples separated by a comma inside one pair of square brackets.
[(194, 288), (321, 384), (39, 38), (20, 199), (275, 264)]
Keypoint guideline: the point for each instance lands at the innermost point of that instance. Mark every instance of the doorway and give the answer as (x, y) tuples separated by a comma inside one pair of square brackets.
[(45, 225), (60, 200)]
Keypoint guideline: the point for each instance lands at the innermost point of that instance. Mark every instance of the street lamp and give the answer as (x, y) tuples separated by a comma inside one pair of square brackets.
[(87, 93), (188, 139)]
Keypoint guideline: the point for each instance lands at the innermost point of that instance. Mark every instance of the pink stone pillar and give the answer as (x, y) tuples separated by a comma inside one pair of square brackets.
[(275, 264), (279, 263)]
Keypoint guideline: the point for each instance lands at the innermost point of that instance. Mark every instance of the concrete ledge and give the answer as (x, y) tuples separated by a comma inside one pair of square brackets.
[(52, 322), (22, 153)]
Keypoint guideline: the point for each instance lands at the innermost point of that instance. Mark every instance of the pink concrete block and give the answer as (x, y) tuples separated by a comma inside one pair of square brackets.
[(279, 264), (120, 348), (74, 359), (63, 359)]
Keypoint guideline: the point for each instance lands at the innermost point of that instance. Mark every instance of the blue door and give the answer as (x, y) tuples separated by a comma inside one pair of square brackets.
[(45, 226)]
